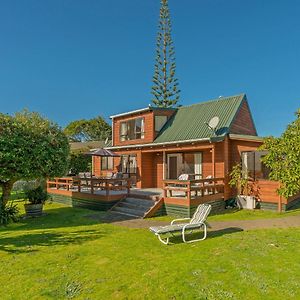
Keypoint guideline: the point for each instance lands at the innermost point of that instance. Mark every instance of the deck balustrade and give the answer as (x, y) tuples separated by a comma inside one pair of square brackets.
[(89, 185), (197, 189)]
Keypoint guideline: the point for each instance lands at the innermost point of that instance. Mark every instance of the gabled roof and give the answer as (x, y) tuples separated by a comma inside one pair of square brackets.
[(188, 122)]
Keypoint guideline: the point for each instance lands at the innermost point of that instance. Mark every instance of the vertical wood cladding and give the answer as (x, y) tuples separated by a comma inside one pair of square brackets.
[(148, 128), (243, 122)]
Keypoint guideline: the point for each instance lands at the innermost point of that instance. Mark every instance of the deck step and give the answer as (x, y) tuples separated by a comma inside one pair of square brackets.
[(139, 202), (133, 207)]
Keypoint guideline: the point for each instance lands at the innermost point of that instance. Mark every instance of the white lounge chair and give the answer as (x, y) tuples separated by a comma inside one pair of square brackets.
[(197, 221)]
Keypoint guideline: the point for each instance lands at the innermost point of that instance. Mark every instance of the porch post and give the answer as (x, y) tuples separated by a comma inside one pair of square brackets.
[(227, 189), (213, 160), (164, 165), (93, 173)]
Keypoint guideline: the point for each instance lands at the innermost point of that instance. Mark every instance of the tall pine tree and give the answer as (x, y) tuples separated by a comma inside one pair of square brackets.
[(165, 89)]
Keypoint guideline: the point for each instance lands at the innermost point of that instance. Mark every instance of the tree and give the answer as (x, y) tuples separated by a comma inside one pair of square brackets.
[(88, 130), (79, 162), (165, 89), (283, 158), (31, 147)]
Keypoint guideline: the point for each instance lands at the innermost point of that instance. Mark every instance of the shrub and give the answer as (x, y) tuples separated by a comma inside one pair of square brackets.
[(36, 196), (9, 214)]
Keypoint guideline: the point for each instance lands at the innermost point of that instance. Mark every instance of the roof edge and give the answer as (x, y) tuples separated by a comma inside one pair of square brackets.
[(159, 144), (234, 136)]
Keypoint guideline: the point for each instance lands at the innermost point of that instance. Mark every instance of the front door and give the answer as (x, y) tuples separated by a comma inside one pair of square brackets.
[(173, 165)]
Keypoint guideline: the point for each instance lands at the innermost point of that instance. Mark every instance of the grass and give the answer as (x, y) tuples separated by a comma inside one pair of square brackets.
[(67, 255), (15, 195), (243, 214)]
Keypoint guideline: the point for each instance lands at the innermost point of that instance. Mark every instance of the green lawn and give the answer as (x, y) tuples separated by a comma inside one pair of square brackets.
[(66, 255), (244, 214)]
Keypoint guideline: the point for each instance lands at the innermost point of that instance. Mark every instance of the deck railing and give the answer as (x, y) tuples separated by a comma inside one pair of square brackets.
[(89, 185), (193, 188)]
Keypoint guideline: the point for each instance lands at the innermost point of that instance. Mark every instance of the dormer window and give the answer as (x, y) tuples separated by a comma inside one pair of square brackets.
[(160, 121), (132, 129)]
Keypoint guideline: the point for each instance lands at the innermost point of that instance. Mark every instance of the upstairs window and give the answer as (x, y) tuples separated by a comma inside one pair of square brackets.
[(160, 121), (132, 129)]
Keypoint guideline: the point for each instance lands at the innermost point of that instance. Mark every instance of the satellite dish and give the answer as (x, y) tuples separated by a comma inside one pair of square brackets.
[(213, 123)]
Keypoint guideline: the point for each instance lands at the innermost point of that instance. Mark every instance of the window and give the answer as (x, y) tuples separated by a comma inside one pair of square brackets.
[(252, 165), (160, 121), (107, 163), (128, 164), (132, 129)]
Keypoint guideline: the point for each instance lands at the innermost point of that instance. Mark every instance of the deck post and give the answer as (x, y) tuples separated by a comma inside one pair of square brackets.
[(128, 186), (79, 185), (213, 160), (92, 186), (106, 188)]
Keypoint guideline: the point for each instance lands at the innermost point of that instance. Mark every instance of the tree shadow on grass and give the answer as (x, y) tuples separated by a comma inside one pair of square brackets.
[(210, 234), (28, 243), (55, 218)]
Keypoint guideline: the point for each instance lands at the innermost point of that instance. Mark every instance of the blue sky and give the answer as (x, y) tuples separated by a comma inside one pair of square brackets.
[(71, 59)]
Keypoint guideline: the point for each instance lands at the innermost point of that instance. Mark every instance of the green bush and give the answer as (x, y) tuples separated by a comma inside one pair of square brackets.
[(36, 196), (9, 214)]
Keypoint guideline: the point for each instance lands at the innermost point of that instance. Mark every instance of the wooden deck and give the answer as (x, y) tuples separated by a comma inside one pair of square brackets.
[(93, 193)]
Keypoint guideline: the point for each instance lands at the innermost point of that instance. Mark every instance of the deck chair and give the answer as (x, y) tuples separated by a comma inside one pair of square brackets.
[(197, 221)]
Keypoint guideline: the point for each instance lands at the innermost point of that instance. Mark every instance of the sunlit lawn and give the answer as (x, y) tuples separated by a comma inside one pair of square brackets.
[(68, 255)]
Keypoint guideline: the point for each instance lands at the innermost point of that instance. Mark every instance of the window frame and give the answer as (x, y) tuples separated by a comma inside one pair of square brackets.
[(257, 155), (106, 166), (137, 134)]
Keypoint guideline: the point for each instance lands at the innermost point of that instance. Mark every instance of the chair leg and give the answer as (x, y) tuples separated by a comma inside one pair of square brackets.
[(166, 241), (192, 241)]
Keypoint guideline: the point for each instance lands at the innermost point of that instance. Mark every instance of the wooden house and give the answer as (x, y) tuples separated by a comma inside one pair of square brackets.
[(174, 150)]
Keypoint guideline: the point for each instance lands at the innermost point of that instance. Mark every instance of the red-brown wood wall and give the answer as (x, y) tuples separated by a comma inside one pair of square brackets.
[(243, 123)]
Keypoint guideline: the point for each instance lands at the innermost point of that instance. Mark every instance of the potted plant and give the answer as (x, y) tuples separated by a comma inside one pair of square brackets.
[(240, 180), (36, 198)]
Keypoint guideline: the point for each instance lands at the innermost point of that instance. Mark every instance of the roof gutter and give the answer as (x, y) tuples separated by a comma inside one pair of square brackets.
[(165, 143)]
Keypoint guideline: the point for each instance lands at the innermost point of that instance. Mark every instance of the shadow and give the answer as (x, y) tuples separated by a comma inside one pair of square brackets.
[(221, 131), (26, 243), (56, 218), (221, 232), (226, 211), (110, 217), (210, 234)]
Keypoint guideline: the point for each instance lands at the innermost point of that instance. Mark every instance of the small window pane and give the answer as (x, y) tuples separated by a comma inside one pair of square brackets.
[(160, 121)]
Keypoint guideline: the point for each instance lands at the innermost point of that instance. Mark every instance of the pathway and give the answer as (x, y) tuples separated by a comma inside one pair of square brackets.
[(284, 222)]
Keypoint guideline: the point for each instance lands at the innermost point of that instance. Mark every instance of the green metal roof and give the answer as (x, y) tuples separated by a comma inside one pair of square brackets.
[(188, 123)]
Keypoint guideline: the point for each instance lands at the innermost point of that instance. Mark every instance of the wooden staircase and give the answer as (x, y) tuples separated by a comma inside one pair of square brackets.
[(137, 206)]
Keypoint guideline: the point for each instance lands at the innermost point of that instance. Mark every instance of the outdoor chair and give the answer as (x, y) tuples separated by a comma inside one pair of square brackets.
[(197, 221), (177, 185)]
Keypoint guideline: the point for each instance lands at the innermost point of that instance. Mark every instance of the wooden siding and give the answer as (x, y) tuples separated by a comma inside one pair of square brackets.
[(147, 170), (243, 122), (148, 127), (158, 170), (266, 191)]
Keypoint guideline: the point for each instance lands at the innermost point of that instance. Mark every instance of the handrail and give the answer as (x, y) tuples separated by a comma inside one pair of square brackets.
[(78, 183), (200, 187)]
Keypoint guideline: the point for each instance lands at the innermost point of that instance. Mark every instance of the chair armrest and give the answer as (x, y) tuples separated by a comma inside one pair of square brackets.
[(182, 219)]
